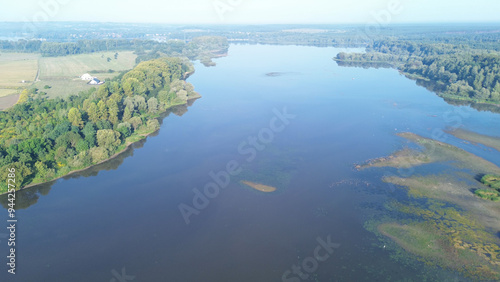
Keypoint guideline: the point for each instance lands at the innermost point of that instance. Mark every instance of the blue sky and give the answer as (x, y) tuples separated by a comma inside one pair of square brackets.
[(252, 11)]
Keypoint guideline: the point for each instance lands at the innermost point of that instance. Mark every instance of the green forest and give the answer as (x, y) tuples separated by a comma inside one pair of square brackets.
[(44, 139), (463, 72), (196, 48)]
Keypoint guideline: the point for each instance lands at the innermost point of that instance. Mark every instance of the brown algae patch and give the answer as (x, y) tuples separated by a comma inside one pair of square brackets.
[(488, 141), (259, 187)]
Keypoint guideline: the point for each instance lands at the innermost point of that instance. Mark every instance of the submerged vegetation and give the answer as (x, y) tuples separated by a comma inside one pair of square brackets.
[(447, 237), (445, 224), (489, 141), (44, 139), (433, 151)]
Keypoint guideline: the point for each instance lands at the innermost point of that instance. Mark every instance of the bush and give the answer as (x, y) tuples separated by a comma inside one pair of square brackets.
[(488, 194), (491, 180), (98, 154), (153, 124)]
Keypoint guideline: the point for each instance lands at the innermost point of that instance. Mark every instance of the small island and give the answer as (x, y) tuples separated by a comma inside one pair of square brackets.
[(493, 194), (259, 187)]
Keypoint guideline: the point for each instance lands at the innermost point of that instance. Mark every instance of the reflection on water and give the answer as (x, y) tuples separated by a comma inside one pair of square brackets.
[(126, 214), (432, 86), (365, 65), (30, 195)]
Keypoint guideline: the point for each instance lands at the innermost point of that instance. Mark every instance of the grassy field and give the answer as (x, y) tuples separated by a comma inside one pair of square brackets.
[(62, 73), (62, 87), (7, 91), (75, 66), (14, 68), (8, 101)]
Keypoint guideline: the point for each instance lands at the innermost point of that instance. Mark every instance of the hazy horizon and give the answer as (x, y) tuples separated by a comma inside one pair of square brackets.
[(255, 12)]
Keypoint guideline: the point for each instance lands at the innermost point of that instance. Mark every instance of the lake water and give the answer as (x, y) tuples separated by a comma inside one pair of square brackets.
[(123, 217)]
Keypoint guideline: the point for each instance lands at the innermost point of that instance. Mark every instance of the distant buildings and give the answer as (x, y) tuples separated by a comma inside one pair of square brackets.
[(95, 81), (91, 79)]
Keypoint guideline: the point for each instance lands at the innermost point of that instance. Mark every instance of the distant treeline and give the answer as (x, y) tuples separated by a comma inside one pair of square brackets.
[(73, 48), (466, 73), (203, 48), (51, 49)]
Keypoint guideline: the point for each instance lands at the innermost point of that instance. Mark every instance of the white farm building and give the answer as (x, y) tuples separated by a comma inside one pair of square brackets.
[(86, 77), (95, 81), (91, 79)]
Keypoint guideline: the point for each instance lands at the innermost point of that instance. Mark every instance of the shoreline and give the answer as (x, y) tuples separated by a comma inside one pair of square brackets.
[(127, 146), (415, 77)]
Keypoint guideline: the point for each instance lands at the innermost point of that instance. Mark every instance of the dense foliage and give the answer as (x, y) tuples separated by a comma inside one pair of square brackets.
[(492, 181), (47, 138), (465, 73), (198, 47)]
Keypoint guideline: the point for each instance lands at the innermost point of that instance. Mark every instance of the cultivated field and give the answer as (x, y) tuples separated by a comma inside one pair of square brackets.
[(62, 73), (8, 101), (76, 65), (14, 68)]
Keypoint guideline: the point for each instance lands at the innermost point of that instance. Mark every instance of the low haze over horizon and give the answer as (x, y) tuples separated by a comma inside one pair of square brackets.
[(252, 12)]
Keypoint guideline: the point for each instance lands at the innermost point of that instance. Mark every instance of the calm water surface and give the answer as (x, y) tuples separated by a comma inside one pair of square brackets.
[(124, 215)]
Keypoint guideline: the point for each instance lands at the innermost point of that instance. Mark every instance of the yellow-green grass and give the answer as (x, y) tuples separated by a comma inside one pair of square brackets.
[(448, 188), (63, 87), (75, 65), (491, 180), (12, 73), (404, 158), (489, 141), (14, 57), (447, 248), (460, 239), (433, 151), (14, 68), (62, 74), (7, 92)]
